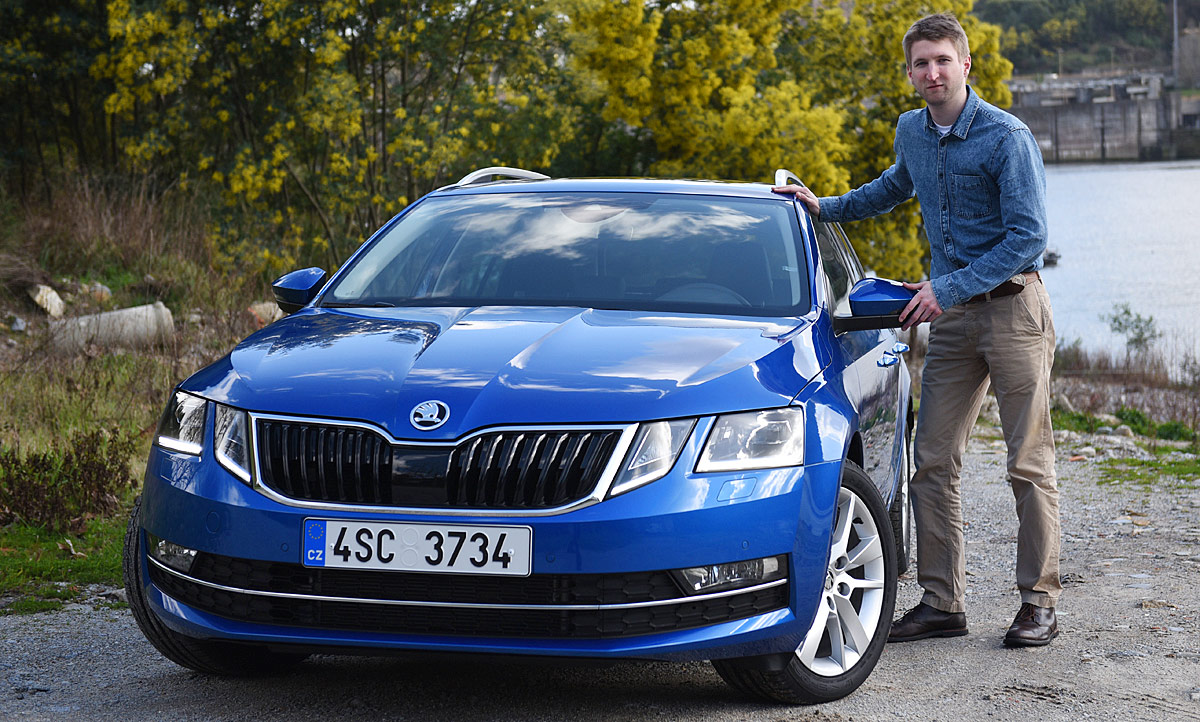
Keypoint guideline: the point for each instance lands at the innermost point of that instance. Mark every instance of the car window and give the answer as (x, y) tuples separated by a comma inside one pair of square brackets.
[(607, 250), (853, 265), (838, 269)]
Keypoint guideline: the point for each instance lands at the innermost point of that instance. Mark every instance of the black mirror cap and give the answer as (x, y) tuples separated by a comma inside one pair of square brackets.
[(293, 291)]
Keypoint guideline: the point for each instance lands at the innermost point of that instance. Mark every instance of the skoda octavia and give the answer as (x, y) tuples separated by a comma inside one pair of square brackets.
[(636, 419)]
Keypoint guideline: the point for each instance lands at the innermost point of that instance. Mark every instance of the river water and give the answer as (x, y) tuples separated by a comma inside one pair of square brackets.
[(1126, 233)]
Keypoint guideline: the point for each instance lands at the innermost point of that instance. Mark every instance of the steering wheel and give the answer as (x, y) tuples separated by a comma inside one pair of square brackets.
[(704, 293)]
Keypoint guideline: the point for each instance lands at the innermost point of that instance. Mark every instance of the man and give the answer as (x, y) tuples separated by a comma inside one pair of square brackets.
[(977, 173)]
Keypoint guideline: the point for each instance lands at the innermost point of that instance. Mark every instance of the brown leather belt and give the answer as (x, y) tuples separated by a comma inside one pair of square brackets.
[(1008, 288)]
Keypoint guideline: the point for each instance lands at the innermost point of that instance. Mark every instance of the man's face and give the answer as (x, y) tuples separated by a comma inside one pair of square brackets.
[(937, 72)]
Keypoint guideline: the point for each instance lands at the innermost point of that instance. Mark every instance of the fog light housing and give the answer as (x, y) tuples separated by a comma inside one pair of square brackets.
[(170, 554), (733, 575)]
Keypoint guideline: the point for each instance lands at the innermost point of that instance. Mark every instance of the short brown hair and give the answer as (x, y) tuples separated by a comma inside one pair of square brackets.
[(941, 26)]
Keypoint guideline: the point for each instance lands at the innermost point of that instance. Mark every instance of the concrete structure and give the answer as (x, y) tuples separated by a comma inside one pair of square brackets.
[(1189, 58), (1115, 117)]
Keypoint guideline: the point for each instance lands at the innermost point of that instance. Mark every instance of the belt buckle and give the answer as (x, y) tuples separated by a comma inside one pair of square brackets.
[(1020, 280)]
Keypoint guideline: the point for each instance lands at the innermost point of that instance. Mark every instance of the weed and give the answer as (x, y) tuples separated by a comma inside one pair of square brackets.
[(1167, 472), (1073, 421), (60, 488), (29, 605)]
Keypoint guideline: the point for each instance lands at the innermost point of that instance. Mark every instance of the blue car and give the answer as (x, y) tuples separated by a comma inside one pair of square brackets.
[(636, 419)]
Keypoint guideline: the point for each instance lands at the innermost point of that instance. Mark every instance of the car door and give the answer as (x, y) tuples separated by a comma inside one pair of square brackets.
[(873, 362)]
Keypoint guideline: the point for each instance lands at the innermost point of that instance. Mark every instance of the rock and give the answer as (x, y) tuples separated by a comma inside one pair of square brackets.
[(1125, 654), (1108, 420), (99, 291), (47, 299), (1063, 403), (265, 312), (1156, 604), (1194, 694), (1087, 452), (18, 325), (116, 595), (1065, 436), (990, 411), (1104, 430), (1123, 430)]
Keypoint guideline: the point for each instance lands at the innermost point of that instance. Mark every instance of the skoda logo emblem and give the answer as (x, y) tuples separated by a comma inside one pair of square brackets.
[(428, 415)]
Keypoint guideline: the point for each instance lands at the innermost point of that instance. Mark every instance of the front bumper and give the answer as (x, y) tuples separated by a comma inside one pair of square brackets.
[(597, 588)]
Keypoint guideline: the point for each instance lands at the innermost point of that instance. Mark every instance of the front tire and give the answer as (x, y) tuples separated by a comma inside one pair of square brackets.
[(901, 514), (849, 631), (202, 655)]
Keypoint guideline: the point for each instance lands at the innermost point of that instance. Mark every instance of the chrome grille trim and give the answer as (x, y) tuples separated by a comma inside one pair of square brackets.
[(468, 605), (607, 477)]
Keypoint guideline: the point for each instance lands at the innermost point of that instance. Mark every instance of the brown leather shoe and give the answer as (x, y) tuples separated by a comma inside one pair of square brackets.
[(1034, 627), (923, 621)]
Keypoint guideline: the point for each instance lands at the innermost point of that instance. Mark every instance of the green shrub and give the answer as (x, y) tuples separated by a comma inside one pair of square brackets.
[(60, 488), (1175, 431), (1137, 420), (1073, 421)]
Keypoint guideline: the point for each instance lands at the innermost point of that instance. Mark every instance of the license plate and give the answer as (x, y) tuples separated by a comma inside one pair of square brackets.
[(445, 548)]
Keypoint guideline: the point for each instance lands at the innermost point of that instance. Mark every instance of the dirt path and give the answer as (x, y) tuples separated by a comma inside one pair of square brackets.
[(1129, 647)]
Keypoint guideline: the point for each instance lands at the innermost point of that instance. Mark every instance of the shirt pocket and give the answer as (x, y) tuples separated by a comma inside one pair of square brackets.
[(970, 196)]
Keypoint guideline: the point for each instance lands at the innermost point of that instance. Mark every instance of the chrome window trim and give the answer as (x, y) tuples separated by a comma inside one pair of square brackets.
[(607, 477), (468, 605)]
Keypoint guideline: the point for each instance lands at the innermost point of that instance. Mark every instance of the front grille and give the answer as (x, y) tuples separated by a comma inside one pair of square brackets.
[(497, 470), (585, 590)]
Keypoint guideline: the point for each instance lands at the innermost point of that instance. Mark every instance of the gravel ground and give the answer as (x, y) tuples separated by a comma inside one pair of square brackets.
[(1129, 647)]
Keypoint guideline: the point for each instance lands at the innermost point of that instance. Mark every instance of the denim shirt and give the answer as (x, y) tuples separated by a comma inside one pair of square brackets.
[(982, 191)]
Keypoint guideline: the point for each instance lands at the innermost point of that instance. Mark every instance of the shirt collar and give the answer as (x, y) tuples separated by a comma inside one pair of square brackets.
[(963, 123)]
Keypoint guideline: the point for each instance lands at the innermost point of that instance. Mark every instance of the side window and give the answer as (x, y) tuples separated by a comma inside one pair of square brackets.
[(852, 262), (835, 264)]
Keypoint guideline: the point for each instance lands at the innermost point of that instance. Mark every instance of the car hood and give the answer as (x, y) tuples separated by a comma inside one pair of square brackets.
[(512, 365)]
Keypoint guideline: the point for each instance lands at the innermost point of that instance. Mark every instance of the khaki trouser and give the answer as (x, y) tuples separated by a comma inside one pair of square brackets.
[(1010, 339)]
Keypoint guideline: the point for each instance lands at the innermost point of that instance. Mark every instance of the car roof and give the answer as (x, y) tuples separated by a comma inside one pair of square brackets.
[(618, 185)]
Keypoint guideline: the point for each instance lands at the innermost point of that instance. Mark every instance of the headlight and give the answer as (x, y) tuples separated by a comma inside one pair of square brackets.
[(233, 441), (181, 427), (652, 453), (755, 440)]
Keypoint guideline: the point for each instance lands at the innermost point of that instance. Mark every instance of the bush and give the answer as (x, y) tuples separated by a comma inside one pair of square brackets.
[(1137, 420), (61, 488), (1175, 431)]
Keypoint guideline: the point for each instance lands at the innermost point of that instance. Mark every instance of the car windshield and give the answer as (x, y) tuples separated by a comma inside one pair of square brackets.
[(636, 251)]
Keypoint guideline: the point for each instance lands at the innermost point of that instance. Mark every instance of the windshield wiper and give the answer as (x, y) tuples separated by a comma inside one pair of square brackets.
[(358, 304)]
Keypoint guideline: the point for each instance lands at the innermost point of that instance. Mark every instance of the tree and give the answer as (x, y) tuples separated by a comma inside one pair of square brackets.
[(683, 90), (317, 121), (851, 55), (51, 108)]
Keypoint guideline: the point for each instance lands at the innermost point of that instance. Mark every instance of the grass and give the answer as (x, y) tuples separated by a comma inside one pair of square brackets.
[(144, 246), (39, 568), (47, 399), (1153, 474)]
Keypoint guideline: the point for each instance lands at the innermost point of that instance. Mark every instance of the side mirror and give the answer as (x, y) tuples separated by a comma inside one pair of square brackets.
[(875, 303), (293, 291)]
